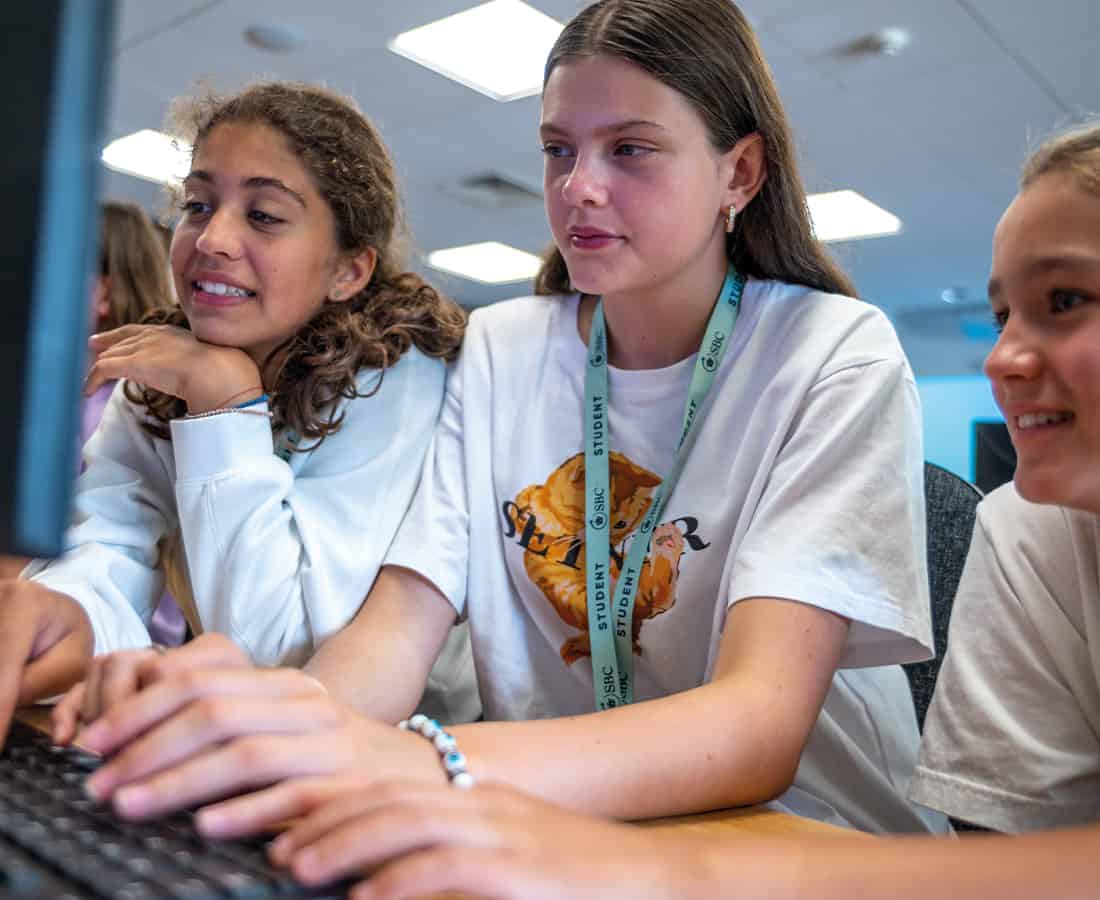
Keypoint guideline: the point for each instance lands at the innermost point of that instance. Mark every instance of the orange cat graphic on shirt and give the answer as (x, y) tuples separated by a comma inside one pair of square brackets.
[(551, 516)]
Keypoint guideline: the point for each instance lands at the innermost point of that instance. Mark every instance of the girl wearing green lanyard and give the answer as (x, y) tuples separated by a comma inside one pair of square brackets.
[(677, 496)]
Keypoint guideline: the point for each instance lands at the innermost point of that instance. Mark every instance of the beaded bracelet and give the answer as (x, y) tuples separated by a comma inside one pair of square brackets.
[(454, 762)]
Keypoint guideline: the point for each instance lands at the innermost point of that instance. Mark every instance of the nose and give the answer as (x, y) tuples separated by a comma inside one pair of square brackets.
[(584, 186), (1014, 356), (220, 235)]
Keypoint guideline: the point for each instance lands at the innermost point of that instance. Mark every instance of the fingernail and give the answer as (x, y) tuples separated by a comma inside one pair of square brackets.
[(95, 787), (132, 801), (304, 864), (279, 850), (211, 821), (91, 736)]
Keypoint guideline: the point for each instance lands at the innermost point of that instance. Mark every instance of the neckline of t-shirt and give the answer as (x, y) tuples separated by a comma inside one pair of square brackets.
[(635, 381)]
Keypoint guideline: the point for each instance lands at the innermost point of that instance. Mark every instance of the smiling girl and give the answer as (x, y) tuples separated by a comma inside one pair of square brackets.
[(269, 431), (677, 496)]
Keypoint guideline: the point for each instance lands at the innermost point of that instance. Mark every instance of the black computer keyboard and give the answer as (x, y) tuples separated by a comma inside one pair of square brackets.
[(56, 843)]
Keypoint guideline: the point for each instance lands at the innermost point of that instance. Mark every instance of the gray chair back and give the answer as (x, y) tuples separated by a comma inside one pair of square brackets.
[(951, 504)]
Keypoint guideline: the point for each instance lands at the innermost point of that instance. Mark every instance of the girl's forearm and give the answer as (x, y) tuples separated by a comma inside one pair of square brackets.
[(1055, 866), (662, 757), (379, 662)]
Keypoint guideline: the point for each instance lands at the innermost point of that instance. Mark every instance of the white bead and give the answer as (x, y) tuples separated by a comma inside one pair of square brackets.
[(463, 781), (417, 722), (454, 762), (403, 724), (430, 728), (444, 742)]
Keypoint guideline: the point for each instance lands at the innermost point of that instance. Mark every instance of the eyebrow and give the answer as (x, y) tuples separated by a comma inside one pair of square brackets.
[(1044, 264), (549, 128), (256, 181)]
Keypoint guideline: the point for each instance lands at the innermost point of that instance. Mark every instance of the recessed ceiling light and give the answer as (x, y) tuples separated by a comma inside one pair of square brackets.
[(891, 41), (275, 37), (489, 262), (884, 42), (848, 215), (498, 48), (151, 155)]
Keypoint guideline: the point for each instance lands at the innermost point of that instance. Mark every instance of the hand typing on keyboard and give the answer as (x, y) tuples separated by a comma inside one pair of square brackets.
[(58, 844), (45, 644), (199, 724)]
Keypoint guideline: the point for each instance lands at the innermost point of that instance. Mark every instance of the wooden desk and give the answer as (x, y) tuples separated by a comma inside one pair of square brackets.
[(38, 716), (746, 820)]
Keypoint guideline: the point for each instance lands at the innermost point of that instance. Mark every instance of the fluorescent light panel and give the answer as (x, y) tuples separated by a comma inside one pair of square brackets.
[(847, 216), (498, 48), (489, 262), (150, 155)]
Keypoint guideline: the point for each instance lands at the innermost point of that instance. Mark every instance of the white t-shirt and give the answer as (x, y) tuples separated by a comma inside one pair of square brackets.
[(803, 482), (276, 553), (1012, 738)]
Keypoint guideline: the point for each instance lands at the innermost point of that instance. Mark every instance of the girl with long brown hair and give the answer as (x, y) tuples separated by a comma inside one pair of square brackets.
[(1011, 742), (131, 282), (268, 432), (688, 473)]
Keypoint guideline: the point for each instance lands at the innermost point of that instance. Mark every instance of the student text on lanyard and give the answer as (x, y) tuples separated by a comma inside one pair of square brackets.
[(611, 618)]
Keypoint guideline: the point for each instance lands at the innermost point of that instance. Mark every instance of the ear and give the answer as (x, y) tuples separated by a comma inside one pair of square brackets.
[(744, 169), (353, 273)]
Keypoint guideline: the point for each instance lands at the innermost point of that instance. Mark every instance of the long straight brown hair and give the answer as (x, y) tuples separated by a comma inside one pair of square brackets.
[(133, 258), (707, 51)]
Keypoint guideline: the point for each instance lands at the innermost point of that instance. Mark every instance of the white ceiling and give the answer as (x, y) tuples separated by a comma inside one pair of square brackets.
[(936, 134)]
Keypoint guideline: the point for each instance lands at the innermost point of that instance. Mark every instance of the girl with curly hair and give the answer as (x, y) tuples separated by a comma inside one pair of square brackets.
[(269, 430)]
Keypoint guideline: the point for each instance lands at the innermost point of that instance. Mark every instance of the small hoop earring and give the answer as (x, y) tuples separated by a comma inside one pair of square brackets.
[(731, 216)]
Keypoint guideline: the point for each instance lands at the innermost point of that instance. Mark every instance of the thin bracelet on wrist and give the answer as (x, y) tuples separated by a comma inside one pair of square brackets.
[(255, 401), (228, 401), (452, 760), (267, 414)]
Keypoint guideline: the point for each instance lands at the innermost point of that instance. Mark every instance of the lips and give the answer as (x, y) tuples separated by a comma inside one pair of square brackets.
[(591, 238), (217, 290)]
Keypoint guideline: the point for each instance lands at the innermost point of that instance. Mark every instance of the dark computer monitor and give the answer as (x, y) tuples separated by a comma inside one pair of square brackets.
[(54, 60), (994, 455)]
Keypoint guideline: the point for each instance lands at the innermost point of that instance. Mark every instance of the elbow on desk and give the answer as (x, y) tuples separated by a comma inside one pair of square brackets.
[(758, 777)]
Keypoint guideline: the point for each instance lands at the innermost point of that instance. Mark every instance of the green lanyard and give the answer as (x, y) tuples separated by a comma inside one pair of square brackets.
[(611, 621)]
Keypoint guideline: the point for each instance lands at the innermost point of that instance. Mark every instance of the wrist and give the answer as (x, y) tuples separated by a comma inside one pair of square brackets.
[(450, 761), (211, 402), (220, 379)]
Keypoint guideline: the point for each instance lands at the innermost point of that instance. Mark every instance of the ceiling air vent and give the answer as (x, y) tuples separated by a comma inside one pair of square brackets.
[(495, 190)]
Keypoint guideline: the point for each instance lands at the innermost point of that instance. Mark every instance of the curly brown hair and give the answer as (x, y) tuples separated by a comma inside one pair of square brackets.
[(706, 51), (353, 172)]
